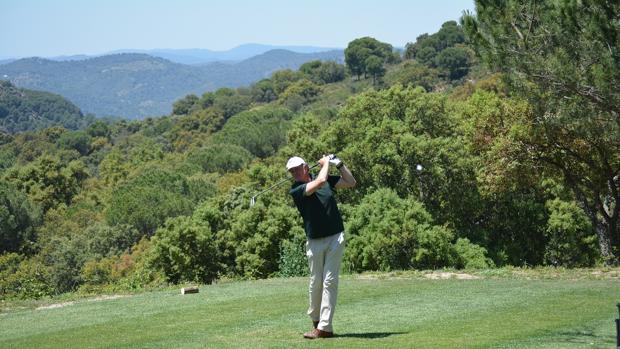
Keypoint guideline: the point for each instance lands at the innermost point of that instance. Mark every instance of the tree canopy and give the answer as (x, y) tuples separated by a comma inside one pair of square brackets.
[(563, 57), (366, 56)]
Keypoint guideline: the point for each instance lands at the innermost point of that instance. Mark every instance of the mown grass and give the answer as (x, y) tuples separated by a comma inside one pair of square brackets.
[(502, 309)]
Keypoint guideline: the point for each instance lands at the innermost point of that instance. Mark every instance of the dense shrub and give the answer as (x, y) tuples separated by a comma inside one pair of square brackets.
[(104, 240), (471, 256), (433, 248), (131, 270), (323, 72), (185, 250), (64, 256), (571, 239), (97, 272), (18, 218), (31, 280), (249, 239), (387, 232), (258, 233), (9, 263), (293, 260)]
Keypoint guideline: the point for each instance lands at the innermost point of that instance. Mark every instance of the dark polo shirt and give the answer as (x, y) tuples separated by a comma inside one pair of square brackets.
[(319, 210)]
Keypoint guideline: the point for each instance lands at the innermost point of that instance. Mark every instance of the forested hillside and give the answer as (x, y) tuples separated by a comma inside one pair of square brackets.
[(137, 85), (27, 110), (458, 165)]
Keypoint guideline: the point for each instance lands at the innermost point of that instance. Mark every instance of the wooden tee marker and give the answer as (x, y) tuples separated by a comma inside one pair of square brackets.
[(192, 289)]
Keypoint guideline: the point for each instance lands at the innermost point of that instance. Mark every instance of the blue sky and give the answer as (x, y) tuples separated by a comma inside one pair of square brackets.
[(66, 27)]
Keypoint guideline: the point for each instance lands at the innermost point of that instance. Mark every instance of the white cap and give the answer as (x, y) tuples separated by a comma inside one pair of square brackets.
[(294, 162)]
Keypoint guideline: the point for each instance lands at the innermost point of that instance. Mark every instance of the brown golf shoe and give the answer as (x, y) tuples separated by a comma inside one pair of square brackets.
[(316, 333)]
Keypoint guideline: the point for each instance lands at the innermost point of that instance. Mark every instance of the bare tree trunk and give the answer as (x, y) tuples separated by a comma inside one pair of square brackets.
[(601, 225), (603, 222), (609, 210), (604, 242), (613, 208), (605, 232)]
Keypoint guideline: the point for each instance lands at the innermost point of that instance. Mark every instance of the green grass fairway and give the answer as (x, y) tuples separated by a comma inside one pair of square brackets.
[(402, 310)]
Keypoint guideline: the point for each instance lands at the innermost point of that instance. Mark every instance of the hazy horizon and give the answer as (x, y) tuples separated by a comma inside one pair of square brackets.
[(197, 48), (73, 27)]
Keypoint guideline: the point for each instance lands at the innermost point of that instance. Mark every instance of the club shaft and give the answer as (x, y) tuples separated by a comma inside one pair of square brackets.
[(286, 178)]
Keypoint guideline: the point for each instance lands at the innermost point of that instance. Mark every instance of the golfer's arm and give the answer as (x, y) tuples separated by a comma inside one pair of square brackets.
[(318, 182), (346, 178)]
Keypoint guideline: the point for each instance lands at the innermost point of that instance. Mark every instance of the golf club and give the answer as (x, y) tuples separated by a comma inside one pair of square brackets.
[(284, 179)]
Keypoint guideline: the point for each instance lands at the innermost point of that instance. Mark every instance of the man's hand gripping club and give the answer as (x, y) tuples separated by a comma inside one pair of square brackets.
[(321, 178)]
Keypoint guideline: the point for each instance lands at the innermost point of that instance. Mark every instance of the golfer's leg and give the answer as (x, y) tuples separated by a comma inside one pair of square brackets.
[(331, 271), (316, 257)]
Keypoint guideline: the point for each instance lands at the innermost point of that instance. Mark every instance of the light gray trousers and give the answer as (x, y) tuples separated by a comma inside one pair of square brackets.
[(324, 257)]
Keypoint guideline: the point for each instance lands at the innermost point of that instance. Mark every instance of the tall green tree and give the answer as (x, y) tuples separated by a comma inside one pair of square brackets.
[(374, 67), (427, 47), (358, 51), (454, 61), (564, 58)]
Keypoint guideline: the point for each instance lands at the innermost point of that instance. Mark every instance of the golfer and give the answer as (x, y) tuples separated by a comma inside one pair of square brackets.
[(314, 198)]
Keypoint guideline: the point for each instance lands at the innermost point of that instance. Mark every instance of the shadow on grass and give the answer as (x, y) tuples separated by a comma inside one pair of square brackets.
[(367, 335), (585, 336)]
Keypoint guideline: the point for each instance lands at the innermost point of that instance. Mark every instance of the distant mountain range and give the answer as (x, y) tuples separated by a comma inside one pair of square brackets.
[(196, 55), (239, 53), (136, 85)]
